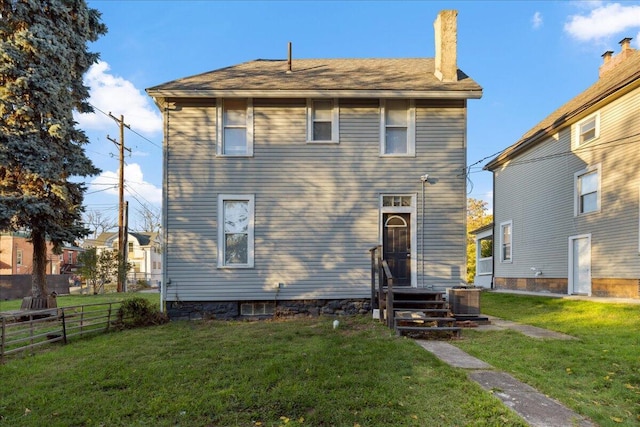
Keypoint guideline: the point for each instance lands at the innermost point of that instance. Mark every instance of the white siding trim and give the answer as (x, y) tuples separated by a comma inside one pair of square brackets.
[(250, 198)]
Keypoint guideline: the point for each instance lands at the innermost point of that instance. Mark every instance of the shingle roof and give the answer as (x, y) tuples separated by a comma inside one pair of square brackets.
[(613, 81), (412, 74)]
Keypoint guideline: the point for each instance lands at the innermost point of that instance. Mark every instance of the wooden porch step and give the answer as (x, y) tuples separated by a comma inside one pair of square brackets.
[(455, 329), (418, 302), (425, 319)]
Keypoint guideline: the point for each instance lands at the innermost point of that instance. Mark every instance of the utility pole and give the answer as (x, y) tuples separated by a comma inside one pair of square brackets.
[(121, 219)]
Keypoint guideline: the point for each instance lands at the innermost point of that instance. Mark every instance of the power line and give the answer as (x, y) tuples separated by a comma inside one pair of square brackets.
[(128, 127)]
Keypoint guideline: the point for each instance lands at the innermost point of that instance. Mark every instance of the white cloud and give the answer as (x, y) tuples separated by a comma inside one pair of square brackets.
[(536, 21), (603, 21), (118, 96), (135, 186)]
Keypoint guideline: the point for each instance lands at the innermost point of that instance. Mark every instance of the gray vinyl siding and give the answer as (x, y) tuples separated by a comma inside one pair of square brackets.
[(536, 192), (316, 205)]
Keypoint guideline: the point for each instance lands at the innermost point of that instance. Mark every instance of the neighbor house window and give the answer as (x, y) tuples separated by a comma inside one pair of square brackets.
[(235, 230), (397, 127), (19, 257), (69, 257), (235, 129), (322, 120), (506, 241), (587, 190), (587, 130)]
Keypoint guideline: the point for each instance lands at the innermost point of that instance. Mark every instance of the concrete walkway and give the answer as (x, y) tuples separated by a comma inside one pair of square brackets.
[(534, 407)]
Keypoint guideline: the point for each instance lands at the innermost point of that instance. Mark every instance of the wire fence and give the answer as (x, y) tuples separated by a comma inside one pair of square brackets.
[(25, 331)]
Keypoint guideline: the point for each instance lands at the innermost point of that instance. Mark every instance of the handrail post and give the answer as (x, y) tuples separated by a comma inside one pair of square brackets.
[(4, 337), (373, 277), (108, 318), (64, 327)]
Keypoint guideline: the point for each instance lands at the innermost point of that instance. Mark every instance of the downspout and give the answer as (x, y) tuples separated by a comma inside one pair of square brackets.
[(165, 192), (493, 232)]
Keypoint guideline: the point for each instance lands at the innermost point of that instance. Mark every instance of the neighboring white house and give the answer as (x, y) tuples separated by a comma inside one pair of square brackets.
[(144, 253), (484, 256), (566, 195), (281, 175)]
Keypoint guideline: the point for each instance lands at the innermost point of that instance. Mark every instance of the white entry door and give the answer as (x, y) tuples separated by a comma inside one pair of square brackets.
[(580, 265)]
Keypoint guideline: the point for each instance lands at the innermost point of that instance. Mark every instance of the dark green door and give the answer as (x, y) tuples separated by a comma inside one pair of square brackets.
[(396, 244)]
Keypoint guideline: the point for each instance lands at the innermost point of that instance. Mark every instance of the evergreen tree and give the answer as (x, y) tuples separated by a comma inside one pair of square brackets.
[(43, 56)]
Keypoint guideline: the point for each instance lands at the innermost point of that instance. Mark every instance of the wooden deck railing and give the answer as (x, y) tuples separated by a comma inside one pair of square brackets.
[(26, 330), (381, 275)]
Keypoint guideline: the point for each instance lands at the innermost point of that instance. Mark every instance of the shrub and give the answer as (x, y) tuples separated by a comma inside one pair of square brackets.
[(137, 311)]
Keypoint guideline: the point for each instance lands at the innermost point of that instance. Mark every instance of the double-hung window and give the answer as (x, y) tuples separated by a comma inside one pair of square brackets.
[(586, 130), (235, 127), (235, 231), (397, 127), (506, 241), (19, 257), (322, 120), (587, 191)]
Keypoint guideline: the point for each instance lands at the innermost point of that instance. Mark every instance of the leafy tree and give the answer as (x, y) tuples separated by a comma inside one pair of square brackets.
[(43, 56), (476, 217), (88, 269)]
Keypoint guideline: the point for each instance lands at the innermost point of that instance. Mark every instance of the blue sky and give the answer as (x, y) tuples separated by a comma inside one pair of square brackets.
[(530, 57)]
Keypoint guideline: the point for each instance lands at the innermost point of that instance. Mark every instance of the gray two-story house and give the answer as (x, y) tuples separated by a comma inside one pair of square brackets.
[(566, 195), (280, 175)]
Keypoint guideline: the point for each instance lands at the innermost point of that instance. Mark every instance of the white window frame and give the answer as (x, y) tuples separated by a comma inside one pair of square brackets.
[(577, 130), (221, 126), (411, 129), (19, 257), (502, 243), (250, 199), (577, 190), (335, 121)]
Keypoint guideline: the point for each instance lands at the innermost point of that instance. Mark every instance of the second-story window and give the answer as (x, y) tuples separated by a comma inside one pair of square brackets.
[(586, 130), (587, 192), (19, 257), (322, 120), (235, 127), (397, 127)]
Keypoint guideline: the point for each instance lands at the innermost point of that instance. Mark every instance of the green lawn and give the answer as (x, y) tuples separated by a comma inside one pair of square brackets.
[(597, 375), (270, 373), (303, 372)]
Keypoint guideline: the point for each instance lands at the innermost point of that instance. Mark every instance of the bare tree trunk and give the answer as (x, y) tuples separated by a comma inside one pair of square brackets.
[(39, 274)]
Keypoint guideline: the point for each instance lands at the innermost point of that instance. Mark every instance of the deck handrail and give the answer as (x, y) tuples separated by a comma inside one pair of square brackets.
[(380, 269)]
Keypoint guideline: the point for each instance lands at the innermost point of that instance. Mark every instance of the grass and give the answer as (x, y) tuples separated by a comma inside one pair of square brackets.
[(597, 374), (303, 372), (73, 300), (271, 373)]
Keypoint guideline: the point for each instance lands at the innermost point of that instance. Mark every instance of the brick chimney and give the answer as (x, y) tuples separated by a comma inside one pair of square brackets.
[(446, 36), (610, 62)]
